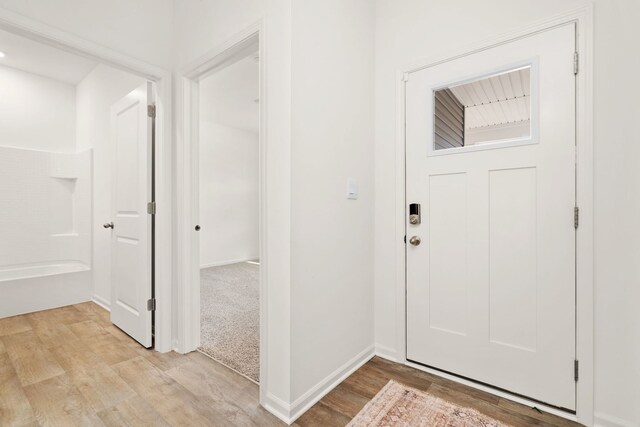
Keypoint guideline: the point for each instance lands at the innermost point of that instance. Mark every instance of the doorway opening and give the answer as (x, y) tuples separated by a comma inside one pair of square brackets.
[(228, 227), (76, 191)]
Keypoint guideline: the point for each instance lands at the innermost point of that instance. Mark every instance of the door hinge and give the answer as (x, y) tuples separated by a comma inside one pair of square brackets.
[(575, 370), (405, 239), (576, 62), (151, 111), (576, 217), (151, 208), (151, 304)]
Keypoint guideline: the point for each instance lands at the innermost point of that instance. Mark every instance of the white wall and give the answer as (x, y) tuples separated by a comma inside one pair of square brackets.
[(96, 93), (408, 30), (228, 164), (331, 236), (36, 112), (228, 193), (139, 28)]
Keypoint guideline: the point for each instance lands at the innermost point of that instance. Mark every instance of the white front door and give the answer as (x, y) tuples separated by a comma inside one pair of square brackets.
[(490, 159), (131, 240)]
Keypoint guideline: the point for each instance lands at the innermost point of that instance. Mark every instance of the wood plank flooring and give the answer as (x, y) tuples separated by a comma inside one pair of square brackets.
[(70, 366), (348, 398)]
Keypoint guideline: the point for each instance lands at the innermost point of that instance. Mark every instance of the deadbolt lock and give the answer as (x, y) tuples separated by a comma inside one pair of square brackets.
[(414, 214)]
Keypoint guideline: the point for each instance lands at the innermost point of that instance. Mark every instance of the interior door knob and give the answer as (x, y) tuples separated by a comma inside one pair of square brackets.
[(108, 225), (415, 240), (197, 227)]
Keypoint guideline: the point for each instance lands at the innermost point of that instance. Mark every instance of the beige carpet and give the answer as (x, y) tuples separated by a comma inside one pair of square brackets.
[(230, 316), (398, 405)]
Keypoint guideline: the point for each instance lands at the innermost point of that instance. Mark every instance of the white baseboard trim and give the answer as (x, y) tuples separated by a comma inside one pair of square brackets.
[(227, 262), (290, 413), (102, 302), (307, 400), (277, 407), (387, 353), (606, 420)]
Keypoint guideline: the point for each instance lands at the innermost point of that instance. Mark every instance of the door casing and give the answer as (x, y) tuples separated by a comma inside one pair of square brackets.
[(187, 245), (583, 18)]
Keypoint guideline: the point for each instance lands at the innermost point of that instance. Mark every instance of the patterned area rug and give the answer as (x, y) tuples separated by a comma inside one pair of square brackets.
[(230, 317), (398, 405)]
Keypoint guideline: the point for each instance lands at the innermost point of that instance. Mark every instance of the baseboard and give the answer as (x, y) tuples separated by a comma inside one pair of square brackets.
[(290, 413), (311, 397), (387, 353), (102, 302), (606, 420), (227, 262), (277, 407)]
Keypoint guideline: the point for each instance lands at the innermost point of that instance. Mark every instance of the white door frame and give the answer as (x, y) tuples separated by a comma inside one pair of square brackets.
[(583, 17), (188, 264), (43, 33)]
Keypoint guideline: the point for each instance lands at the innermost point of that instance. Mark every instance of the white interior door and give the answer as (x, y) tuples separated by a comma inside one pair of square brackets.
[(490, 144), (131, 241)]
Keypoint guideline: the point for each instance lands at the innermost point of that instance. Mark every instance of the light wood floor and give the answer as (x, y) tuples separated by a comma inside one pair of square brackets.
[(71, 366)]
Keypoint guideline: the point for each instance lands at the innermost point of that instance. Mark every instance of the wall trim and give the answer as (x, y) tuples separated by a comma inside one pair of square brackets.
[(388, 353), (227, 262), (40, 32), (290, 413), (606, 420), (102, 302), (583, 18), (277, 407)]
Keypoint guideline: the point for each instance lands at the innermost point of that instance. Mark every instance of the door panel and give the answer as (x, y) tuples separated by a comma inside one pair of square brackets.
[(131, 235), (491, 288)]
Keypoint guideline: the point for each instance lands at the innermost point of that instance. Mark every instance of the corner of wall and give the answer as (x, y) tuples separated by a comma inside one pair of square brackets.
[(387, 353), (289, 413), (101, 302)]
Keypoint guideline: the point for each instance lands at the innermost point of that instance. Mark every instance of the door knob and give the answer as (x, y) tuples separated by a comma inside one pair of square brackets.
[(108, 225), (197, 227), (415, 240)]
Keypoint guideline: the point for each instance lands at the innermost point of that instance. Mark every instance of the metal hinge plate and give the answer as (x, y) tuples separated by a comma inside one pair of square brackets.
[(151, 111), (576, 217), (576, 62), (151, 304), (151, 208), (575, 370)]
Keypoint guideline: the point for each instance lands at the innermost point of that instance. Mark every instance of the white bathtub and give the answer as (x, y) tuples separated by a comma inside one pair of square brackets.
[(29, 272), (25, 289)]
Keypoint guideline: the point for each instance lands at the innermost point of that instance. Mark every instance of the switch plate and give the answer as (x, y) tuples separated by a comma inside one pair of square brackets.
[(352, 189)]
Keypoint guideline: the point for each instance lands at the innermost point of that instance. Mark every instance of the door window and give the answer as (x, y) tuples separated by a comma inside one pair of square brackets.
[(492, 109)]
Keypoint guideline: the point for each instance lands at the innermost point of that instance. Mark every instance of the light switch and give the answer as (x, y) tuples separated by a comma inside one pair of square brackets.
[(352, 189)]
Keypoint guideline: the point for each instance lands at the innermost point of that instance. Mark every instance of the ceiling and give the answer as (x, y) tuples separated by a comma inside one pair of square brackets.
[(38, 58), (496, 100), (229, 97)]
